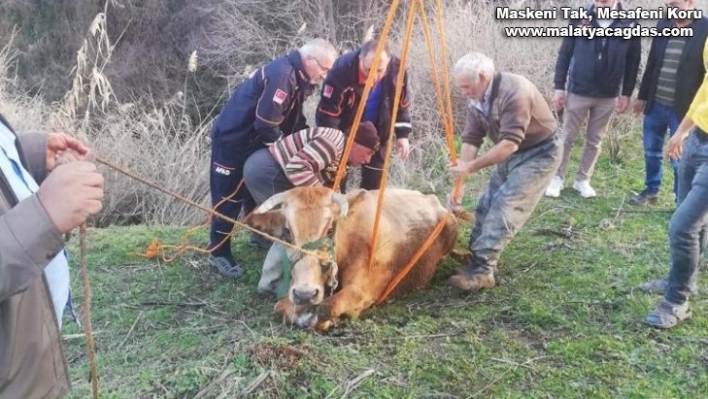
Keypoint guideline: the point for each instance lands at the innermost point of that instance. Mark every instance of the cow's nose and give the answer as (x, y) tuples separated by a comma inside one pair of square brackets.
[(305, 295)]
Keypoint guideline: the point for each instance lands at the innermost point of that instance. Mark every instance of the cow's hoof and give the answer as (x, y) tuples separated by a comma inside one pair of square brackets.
[(472, 283), (324, 326)]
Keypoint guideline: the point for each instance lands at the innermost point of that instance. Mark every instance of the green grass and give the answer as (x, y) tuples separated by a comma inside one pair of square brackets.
[(564, 323)]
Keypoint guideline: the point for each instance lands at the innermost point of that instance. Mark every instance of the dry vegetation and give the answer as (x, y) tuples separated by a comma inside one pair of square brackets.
[(160, 131)]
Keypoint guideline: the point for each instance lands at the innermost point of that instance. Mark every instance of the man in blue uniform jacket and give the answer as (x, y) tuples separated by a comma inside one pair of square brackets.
[(342, 92), (263, 108)]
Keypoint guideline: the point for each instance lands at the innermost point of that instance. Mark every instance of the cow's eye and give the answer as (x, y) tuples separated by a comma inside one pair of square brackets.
[(285, 235)]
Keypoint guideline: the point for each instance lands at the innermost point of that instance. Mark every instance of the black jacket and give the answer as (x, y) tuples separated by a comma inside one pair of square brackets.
[(265, 106), (342, 91), (597, 67), (690, 67)]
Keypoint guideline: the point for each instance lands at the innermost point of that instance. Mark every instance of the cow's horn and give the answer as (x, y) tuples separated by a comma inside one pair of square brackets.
[(272, 202), (341, 200)]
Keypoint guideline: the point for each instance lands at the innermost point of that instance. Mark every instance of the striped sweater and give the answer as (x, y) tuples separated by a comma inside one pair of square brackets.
[(311, 156)]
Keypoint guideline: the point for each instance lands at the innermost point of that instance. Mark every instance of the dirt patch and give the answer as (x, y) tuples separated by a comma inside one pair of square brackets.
[(282, 356)]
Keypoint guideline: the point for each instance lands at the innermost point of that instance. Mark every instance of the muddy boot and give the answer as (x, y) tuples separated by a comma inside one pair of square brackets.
[(472, 280), (668, 315)]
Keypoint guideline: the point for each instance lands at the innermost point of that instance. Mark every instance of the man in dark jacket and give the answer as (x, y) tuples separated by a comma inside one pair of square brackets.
[(42, 195), (263, 108), (342, 92), (597, 71), (664, 96)]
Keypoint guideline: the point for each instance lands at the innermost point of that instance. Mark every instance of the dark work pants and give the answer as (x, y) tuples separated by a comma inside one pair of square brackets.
[(264, 177), (225, 174), (515, 188)]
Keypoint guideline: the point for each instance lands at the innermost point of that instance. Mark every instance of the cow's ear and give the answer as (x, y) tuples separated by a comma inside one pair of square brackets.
[(271, 222)]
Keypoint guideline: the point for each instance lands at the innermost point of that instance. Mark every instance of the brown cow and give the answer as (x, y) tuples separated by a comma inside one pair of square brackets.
[(307, 214)]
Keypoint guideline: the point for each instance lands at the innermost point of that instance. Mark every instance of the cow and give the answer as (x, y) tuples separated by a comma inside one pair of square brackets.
[(322, 292)]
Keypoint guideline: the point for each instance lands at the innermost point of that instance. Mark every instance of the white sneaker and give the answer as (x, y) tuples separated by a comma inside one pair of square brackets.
[(554, 187), (584, 188)]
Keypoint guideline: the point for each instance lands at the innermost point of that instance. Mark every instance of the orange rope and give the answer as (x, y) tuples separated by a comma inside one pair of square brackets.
[(447, 123), (88, 329), (457, 187), (394, 112), (365, 95), (209, 210), (446, 107), (156, 247), (446, 80), (404, 272)]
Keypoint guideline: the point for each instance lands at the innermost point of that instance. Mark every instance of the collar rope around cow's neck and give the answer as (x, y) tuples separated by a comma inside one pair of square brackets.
[(328, 244)]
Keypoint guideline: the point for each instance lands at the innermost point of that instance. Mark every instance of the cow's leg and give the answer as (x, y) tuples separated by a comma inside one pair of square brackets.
[(357, 295)]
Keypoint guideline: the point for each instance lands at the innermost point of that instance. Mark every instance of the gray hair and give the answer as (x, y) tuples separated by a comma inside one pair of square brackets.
[(473, 64), (318, 48)]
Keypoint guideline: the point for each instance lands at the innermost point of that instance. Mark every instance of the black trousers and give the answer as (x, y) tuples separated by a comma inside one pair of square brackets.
[(225, 174)]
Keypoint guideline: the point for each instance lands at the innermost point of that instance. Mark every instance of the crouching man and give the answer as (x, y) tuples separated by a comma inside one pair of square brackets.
[(526, 151), (308, 157)]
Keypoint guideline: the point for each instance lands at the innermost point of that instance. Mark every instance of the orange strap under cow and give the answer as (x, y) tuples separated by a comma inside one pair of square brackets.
[(404, 272), (392, 128)]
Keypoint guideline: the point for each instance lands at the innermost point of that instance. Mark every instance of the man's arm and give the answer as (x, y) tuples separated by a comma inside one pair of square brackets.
[(632, 67), (329, 111), (402, 123), (28, 242), (648, 68), (565, 54), (278, 94)]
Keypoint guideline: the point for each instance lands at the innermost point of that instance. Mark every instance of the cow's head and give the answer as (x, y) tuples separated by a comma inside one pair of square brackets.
[(303, 216)]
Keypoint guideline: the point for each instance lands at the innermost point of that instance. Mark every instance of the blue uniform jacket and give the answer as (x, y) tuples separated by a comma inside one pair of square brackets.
[(265, 106), (342, 91), (600, 66)]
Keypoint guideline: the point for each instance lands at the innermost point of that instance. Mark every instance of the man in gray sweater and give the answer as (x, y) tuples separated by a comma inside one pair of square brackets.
[(526, 151)]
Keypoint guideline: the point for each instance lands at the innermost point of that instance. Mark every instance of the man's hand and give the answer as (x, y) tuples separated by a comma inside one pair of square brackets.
[(638, 107), (674, 147), (403, 147), (62, 147), (559, 99), (462, 170), (71, 193), (622, 104)]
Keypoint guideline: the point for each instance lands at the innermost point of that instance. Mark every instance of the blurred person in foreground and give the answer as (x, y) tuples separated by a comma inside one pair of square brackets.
[(672, 76), (47, 188), (526, 151), (263, 108), (342, 93), (310, 157), (688, 228), (600, 73)]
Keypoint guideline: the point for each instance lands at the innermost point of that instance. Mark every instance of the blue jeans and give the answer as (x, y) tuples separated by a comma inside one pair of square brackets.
[(658, 119), (689, 223)]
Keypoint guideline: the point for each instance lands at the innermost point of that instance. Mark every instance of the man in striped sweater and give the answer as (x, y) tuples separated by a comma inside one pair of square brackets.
[(308, 157)]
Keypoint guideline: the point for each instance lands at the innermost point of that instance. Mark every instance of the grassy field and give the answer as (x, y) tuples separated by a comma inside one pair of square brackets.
[(566, 322)]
